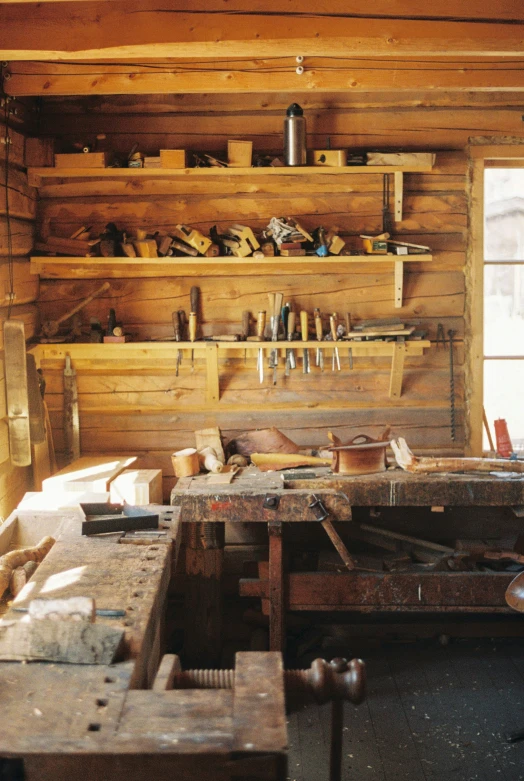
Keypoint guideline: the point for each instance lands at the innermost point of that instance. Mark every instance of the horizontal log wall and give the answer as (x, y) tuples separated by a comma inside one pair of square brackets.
[(21, 204), (151, 412)]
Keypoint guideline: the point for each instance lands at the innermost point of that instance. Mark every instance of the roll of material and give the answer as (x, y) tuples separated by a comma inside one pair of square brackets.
[(185, 462)]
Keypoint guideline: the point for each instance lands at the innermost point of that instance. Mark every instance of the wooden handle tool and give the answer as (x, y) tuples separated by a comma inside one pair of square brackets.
[(318, 324), (246, 316), (177, 329), (291, 323), (305, 353), (51, 327), (261, 324), (192, 326), (348, 330), (333, 328)]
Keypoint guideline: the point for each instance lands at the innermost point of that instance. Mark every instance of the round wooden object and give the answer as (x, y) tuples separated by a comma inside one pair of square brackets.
[(185, 462), (359, 458)]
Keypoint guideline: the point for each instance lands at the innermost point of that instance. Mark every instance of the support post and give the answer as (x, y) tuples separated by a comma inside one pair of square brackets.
[(277, 632)]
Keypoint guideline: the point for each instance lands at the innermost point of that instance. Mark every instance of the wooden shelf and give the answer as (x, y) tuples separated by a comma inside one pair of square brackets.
[(165, 353), (133, 268), (36, 175)]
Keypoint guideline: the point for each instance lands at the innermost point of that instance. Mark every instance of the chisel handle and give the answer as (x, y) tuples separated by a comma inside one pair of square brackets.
[(192, 326), (304, 325), (333, 326), (177, 326), (291, 322), (194, 296), (261, 324), (271, 306), (318, 324), (245, 324), (348, 322)]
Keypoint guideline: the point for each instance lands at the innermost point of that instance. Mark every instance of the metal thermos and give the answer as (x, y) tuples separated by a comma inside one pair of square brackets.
[(295, 136)]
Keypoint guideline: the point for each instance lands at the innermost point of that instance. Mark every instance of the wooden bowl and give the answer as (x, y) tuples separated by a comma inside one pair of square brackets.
[(362, 457)]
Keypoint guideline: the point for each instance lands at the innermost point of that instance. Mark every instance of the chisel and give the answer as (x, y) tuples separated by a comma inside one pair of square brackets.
[(291, 320), (285, 319), (245, 331), (193, 319), (305, 353), (318, 328), (333, 327), (348, 330), (177, 328), (274, 333), (261, 327)]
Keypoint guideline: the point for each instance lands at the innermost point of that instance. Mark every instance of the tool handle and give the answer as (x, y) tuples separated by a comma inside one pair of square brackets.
[(245, 324), (348, 322), (261, 324), (318, 324), (177, 328), (276, 316), (83, 303), (271, 307), (333, 326), (192, 326), (291, 321), (304, 325), (194, 295), (285, 319), (183, 322)]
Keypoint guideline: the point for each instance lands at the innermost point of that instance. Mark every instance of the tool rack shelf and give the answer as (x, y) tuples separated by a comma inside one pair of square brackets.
[(165, 354)]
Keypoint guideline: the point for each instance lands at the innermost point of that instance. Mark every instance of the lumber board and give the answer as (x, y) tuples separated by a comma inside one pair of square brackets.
[(87, 474), (119, 31)]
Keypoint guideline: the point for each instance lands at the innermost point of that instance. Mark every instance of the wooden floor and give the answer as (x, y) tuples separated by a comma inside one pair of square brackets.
[(433, 712)]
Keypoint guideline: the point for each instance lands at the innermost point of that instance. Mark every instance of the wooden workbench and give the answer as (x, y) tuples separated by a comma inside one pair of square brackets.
[(249, 499), (98, 721)]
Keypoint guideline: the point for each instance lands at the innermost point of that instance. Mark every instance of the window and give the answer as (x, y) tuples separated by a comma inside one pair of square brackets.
[(503, 320)]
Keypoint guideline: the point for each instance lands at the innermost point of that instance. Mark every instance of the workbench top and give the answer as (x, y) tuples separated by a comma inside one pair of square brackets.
[(393, 488)]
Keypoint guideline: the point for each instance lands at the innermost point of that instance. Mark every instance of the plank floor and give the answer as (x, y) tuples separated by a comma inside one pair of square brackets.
[(433, 713)]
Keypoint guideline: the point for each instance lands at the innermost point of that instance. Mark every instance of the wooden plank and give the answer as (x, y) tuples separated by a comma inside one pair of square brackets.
[(129, 268), (397, 370), (87, 474), (277, 622), (244, 76), (137, 486), (475, 312), (121, 32), (17, 393), (21, 236), (22, 197)]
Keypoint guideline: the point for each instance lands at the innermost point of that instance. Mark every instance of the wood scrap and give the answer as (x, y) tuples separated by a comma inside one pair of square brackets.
[(273, 462), (210, 437), (17, 558), (266, 440), (411, 463)]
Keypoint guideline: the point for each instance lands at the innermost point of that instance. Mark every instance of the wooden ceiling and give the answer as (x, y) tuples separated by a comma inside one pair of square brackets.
[(112, 47)]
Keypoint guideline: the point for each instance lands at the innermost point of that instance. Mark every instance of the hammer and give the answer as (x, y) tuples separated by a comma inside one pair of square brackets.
[(51, 327)]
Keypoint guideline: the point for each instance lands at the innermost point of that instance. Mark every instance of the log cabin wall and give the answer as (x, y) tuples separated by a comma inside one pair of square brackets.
[(439, 90), (17, 283)]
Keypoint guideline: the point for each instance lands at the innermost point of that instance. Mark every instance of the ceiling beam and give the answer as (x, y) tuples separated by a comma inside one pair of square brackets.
[(474, 10), (135, 29), (262, 76)]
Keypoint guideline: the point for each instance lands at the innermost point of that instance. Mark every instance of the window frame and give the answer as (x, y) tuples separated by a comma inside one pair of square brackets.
[(481, 156)]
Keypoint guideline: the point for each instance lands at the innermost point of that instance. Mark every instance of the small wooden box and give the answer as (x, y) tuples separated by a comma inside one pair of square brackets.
[(239, 154), (173, 158), (335, 158), (82, 160), (137, 486)]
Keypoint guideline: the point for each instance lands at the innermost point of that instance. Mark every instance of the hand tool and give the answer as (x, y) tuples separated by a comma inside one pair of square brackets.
[(193, 237), (261, 326), (333, 327), (285, 319), (451, 334), (275, 321), (318, 328), (304, 328), (193, 319), (71, 418), (290, 353), (245, 330), (177, 328), (348, 330), (386, 217), (51, 327), (441, 339)]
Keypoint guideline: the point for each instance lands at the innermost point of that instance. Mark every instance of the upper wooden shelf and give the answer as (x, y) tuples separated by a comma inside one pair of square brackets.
[(36, 175), (134, 268)]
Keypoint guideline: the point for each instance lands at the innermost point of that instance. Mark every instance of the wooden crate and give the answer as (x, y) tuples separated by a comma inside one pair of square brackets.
[(173, 158), (239, 154), (82, 160)]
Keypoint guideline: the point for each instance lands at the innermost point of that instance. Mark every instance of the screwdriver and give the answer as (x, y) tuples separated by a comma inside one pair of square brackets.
[(318, 329), (305, 353), (333, 327)]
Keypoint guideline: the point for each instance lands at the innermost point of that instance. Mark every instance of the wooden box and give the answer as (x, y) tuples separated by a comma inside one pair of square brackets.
[(173, 158), (329, 157), (137, 486), (239, 154), (82, 160)]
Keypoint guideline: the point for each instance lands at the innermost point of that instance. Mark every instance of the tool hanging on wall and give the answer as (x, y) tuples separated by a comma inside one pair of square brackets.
[(333, 327), (318, 329), (71, 416), (261, 327), (451, 334), (50, 328), (386, 217), (275, 322), (193, 319), (177, 328), (304, 333), (348, 330)]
